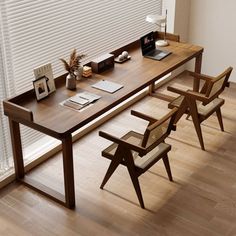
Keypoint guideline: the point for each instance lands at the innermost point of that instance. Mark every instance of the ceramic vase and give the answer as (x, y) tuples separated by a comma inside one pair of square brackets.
[(70, 82)]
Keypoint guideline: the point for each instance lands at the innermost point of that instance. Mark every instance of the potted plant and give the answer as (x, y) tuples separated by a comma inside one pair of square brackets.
[(73, 68)]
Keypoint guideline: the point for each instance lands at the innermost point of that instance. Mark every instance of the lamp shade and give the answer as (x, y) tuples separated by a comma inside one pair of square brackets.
[(156, 19), (160, 21)]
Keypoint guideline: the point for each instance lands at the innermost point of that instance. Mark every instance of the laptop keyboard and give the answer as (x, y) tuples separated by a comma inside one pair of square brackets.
[(154, 53)]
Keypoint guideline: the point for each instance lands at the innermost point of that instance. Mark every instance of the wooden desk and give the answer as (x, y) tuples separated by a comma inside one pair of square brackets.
[(50, 118)]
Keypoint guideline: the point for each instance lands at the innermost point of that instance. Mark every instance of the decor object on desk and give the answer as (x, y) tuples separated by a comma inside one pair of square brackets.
[(41, 88), (46, 70), (102, 63), (87, 71), (124, 56), (73, 68), (160, 21), (71, 81)]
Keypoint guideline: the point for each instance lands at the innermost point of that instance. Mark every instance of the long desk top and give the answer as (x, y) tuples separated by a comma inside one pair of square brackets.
[(51, 118)]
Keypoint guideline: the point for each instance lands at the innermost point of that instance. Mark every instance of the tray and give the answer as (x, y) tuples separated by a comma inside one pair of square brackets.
[(118, 61)]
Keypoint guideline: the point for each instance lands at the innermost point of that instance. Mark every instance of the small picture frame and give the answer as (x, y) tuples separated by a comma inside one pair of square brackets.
[(41, 88), (46, 70)]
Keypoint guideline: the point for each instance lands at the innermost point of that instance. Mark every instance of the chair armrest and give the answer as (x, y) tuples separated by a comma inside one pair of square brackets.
[(143, 116), (198, 96), (139, 149), (200, 76), (195, 95), (176, 90)]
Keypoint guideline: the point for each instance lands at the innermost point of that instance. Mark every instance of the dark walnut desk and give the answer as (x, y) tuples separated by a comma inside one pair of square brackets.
[(50, 118)]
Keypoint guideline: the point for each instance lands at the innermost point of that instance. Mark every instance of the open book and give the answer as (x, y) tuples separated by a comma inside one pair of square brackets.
[(81, 100)]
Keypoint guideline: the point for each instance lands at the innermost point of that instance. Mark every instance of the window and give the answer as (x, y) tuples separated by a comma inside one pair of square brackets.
[(34, 33)]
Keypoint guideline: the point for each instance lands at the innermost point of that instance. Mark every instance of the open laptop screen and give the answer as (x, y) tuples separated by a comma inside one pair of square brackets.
[(147, 43)]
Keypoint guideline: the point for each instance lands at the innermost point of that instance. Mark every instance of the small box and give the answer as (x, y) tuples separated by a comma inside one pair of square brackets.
[(102, 63)]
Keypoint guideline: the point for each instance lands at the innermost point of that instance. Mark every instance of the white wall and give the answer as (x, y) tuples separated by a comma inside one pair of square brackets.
[(170, 6), (178, 17), (181, 26), (212, 25), (178, 21)]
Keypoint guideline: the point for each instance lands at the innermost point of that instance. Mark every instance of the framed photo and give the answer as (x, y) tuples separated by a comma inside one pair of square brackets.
[(46, 70), (41, 88)]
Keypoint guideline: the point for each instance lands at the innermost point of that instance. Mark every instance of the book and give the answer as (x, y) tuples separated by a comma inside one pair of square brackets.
[(46, 71), (81, 100)]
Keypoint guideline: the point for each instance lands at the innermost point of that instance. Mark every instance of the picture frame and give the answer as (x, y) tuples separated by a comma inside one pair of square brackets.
[(46, 70), (41, 88)]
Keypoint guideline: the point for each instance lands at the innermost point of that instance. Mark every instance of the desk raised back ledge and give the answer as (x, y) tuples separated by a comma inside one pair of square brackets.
[(50, 118)]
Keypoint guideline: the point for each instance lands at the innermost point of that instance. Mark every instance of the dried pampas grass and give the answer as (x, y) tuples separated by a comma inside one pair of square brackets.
[(74, 61)]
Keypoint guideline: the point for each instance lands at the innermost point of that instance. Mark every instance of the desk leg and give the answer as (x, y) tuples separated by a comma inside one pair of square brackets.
[(152, 88), (17, 148), (68, 171), (198, 67)]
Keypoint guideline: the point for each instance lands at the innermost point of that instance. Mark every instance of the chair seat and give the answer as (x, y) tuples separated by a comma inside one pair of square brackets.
[(206, 110), (153, 156), (202, 110), (140, 162)]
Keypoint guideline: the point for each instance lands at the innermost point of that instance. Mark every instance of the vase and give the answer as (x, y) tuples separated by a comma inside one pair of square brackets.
[(70, 82)]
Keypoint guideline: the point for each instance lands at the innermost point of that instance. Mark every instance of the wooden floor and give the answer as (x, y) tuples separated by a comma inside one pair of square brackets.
[(201, 200)]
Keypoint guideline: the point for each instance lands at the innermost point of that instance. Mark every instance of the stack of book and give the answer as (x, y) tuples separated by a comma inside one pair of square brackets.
[(81, 100), (87, 71)]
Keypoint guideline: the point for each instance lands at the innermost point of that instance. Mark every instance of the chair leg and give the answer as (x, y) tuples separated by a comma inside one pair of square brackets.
[(199, 132), (196, 122), (134, 178), (112, 167), (137, 188), (219, 116), (167, 166)]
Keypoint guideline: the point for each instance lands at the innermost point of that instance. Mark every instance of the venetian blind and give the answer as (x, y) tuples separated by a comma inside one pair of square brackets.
[(5, 152), (41, 32)]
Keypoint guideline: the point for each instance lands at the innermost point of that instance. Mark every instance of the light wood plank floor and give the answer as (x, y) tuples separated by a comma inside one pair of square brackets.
[(201, 200)]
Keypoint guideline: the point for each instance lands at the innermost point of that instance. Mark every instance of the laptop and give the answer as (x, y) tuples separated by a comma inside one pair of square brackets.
[(149, 50)]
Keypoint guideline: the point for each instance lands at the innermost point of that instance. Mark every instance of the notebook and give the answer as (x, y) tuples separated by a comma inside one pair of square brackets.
[(107, 86), (149, 50)]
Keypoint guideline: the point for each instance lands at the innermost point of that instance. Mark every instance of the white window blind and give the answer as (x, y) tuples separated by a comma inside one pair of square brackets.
[(40, 32), (5, 150)]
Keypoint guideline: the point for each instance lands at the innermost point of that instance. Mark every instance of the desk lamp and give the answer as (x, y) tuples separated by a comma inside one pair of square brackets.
[(159, 20)]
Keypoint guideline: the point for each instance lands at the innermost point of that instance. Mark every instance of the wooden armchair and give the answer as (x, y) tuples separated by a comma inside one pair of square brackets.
[(138, 152), (200, 105)]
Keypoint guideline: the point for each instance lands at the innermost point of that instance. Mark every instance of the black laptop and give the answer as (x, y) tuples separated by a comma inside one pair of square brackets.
[(149, 50)]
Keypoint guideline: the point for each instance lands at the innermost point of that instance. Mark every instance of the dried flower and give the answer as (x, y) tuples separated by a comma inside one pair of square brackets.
[(74, 62)]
